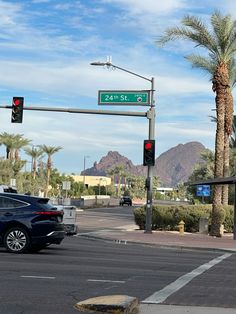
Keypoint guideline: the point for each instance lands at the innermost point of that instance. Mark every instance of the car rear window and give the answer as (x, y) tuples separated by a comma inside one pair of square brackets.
[(45, 204), (6, 202)]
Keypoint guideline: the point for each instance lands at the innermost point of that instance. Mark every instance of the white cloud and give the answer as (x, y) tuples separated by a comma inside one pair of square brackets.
[(184, 85), (41, 1), (149, 6), (83, 79), (148, 17)]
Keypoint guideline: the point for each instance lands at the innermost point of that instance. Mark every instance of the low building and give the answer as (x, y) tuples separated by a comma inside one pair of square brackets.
[(92, 180), (163, 190)]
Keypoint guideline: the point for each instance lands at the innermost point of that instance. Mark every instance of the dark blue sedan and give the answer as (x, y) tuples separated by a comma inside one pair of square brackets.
[(29, 223)]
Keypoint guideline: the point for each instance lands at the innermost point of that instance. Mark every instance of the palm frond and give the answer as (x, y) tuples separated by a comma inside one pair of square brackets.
[(203, 63), (224, 32), (173, 34), (199, 29), (213, 119)]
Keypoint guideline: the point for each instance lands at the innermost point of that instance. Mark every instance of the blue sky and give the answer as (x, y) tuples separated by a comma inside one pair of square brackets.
[(46, 47)]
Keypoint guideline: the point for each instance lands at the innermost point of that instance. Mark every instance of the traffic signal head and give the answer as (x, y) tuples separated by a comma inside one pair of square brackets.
[(149, 153), (17, 109)]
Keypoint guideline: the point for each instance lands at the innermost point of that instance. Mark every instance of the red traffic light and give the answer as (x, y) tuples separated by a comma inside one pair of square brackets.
[(16, 102), (149, 153), (148, 145), (17, 109)]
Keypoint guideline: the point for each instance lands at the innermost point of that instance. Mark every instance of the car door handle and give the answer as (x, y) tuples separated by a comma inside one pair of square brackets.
[(8, 214)]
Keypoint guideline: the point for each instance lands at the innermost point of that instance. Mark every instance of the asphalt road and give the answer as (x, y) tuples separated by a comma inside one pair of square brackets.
[(105, 218), (53, 280)]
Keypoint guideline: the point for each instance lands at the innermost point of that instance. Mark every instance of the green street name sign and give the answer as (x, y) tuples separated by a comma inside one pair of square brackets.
[(124, 97)]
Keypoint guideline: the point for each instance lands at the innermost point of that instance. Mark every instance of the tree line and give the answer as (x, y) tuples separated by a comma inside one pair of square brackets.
[(11, 165), (46, 180)]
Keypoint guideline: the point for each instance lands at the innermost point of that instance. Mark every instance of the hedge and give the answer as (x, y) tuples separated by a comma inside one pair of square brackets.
[(167, 217)]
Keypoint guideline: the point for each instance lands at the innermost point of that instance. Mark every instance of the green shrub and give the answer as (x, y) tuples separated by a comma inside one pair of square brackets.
[(167, 217), (229, 218)]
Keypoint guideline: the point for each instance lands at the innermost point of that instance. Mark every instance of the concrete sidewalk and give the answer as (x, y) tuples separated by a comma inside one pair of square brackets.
[(175, 309), (129, 234)]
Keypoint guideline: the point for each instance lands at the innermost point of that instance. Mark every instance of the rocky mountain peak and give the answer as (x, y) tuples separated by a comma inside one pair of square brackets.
[(172, 167)]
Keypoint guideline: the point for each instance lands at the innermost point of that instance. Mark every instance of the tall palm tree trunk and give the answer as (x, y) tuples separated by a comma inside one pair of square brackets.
[(118, 190), (225, 188), (229, 108), (220, 84), (7, 153), (34, 168), (47, 182)]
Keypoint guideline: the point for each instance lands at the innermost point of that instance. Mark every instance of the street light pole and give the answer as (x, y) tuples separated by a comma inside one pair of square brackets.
[(151, 136), (84, 169)]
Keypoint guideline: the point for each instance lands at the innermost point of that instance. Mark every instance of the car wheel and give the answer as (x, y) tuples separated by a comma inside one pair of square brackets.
[(16, 240)]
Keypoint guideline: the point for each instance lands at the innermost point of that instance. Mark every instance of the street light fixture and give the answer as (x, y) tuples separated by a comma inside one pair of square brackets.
[(151, 136), (109, 64)]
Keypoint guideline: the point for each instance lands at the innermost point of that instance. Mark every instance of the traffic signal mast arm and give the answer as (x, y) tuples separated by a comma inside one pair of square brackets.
[(85, 111)]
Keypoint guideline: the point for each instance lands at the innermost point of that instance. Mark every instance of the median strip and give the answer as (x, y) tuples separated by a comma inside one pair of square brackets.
[(116, 304)]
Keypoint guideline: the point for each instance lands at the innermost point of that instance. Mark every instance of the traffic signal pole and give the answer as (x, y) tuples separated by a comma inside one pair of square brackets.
[(151, 136)]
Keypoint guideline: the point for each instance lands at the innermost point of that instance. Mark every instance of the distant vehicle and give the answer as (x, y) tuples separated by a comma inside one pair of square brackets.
[(28, 223), (7, 189), (126, 200), (69, 218)]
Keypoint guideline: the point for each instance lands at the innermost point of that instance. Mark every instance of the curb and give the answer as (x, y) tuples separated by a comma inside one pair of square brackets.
[(117, 304), (171, 246)]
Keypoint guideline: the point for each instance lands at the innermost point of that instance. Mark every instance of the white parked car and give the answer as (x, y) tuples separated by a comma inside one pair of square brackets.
[(7, 189), (69, 218)]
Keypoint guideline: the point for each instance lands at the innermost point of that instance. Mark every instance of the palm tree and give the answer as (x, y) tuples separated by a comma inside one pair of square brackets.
[(111, 173), (220, 44), (49, 151), (118, 171), (229, 142), (19, 142), (9, 141), (13, 143), (34, 153), (229, 127), (124, 174)]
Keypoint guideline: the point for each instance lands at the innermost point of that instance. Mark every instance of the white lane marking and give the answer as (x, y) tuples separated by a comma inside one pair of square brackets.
[(38, 277), (161, 295), (113, 281)]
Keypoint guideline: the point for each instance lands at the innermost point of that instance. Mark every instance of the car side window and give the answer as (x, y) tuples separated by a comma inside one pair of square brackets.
[(6, 202)]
